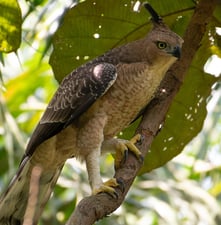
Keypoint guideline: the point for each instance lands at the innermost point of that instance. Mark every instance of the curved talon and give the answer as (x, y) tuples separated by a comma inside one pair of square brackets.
[(122, 148), (121, 184), (121, 154), (108, 187)]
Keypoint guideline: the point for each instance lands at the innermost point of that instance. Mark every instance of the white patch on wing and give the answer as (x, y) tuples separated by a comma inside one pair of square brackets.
[(97, 71)]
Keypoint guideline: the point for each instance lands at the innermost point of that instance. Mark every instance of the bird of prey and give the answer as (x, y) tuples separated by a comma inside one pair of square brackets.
[(90, 107)]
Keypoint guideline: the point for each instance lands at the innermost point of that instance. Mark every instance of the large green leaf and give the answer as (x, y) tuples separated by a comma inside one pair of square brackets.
[(10, 25), (116, 23)]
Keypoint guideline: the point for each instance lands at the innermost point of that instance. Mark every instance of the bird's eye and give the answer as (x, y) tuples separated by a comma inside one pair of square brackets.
[(161, 45)]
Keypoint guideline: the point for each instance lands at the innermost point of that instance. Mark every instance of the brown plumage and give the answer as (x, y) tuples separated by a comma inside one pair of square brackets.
[(91, 106)]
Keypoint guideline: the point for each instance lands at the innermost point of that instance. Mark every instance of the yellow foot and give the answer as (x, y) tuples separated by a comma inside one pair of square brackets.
[(122, 148), (108, 187)]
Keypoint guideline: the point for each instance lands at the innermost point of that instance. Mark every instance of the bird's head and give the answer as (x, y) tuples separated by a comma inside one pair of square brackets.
[(162, 40)]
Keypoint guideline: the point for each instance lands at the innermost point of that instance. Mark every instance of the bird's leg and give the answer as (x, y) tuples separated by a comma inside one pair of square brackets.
[(90, 139), (93, 168), (123, 146)]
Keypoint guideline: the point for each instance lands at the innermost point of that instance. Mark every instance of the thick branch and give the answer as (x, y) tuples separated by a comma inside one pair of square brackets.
[(93, 208)]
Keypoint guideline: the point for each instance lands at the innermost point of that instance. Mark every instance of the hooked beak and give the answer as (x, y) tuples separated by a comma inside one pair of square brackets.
[(176, 52)]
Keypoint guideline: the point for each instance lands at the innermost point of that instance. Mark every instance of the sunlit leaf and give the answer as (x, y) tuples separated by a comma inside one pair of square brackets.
[(10, 25)]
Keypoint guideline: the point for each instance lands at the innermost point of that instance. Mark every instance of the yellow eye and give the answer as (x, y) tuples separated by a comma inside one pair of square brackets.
[(161, 45)]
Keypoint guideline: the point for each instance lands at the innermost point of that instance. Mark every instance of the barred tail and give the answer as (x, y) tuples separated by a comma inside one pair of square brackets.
[(27, 194)]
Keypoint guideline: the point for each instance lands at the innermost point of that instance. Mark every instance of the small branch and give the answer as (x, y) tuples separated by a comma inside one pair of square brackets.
[(93, 208)]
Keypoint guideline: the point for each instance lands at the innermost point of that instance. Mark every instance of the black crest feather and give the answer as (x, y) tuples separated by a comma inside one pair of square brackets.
[(155, 17)]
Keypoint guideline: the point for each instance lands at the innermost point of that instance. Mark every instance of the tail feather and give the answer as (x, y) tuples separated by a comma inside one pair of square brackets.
[(27, 194)]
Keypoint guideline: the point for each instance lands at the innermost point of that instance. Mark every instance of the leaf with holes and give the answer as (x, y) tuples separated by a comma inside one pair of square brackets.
[(85, 34)]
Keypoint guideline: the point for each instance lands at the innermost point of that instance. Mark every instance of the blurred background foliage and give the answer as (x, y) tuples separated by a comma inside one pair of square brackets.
[(186, 190)]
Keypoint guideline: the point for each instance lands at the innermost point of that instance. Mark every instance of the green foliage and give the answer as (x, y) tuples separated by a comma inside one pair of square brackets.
[(10, 25)]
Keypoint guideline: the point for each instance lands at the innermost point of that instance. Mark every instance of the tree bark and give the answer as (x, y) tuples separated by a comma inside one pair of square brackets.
[(93, 208)]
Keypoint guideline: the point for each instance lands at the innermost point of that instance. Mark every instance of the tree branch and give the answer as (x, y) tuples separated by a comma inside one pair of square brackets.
[(93, 208)]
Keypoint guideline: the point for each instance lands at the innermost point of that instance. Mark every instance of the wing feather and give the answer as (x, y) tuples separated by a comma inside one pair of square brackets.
[(77, 92)]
